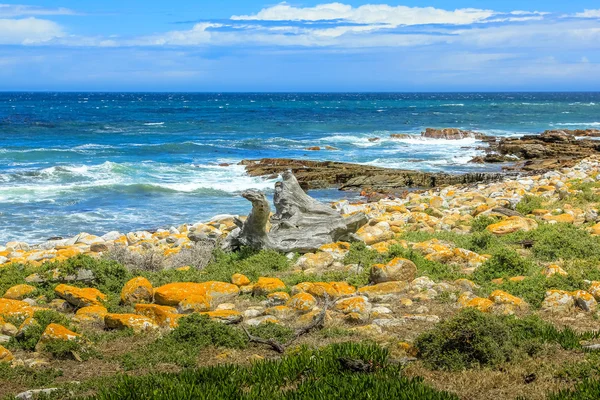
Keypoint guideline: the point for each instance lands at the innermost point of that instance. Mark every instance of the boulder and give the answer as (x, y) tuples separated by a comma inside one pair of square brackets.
[(399, 269), (136, 322), (265, 286), (80, 297), (512, 224), (19, 292), (137, 290), (303, 302)]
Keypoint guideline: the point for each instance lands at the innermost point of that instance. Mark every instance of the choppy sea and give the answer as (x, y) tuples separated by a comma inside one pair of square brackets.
[(96, 162)]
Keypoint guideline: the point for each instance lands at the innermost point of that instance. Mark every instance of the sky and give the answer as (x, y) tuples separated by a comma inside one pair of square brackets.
[(316, 46)]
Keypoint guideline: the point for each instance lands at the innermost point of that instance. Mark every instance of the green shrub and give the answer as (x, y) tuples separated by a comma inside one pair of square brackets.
[(529, 203), (504, 263), (563, 241), (361, 255), (473, 339), (321, 374), (469, 339)]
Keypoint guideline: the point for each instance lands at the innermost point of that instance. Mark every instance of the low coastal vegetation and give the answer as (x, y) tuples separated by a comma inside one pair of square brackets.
[(461, 292)]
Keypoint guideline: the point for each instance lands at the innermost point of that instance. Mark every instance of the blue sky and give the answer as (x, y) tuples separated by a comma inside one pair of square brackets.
[(246, 45)]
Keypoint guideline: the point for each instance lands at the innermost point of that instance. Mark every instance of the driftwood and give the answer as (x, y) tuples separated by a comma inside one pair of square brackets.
[(318, 323), (507, 211), (300, 223)]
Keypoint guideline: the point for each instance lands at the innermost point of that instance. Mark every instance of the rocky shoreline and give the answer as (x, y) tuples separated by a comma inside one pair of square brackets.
[(521, 247), (528, 154)]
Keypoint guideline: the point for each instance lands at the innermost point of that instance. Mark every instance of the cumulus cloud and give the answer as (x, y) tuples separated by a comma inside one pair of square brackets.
[(369, 14), (588, 14), (28, 31), (19, 10)]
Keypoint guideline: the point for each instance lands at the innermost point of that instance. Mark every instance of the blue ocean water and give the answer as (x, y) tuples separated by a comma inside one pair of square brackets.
[(96, 162)]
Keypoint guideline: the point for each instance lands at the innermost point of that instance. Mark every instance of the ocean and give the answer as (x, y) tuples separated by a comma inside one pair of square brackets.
[(97, 162)]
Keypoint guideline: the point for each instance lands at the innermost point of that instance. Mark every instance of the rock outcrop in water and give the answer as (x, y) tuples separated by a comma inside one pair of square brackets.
[(452, 134), (346, 176), (551, 149)]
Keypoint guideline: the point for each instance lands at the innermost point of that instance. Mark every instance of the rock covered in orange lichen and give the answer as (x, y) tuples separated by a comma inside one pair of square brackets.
[(137, 290), (240, 280), (91, 314), (57, 332), (173, 293), (303, 302), (15, 308), (268, 285), (80, 297), (399, 269), (383, 290), (357, 304), (194, 303), (136, 322), (512, 224), (19, 292), (164, 316), (5, 355)]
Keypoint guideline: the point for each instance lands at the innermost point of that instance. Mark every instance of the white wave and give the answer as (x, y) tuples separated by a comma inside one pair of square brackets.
[(154, 123), (578, 124), (453, 105)]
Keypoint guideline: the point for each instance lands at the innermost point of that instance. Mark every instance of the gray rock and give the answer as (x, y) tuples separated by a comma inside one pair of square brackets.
[(32, 394)]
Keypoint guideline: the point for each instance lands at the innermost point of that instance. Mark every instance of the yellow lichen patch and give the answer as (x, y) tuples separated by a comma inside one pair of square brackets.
[(333, 247), (194, 303), (164, 316), (480, 303), (585, 300), (358, 304), (183, 269), (398, 269), (302, 302), (91, 314), (15, 308), (5, 355), (281, 312), (595, 229), (19, 292), (322, 289), (519, 278), (554, 270), (137, 290), (69, 252), (268, 285), (56, 332), (501, 297), (173, 293), (225, 316), (343, 288), (384, 289), (563, 218), (240, 280), (80, 297), (136, 322), (594, 289), (512, 224), (371, 234)]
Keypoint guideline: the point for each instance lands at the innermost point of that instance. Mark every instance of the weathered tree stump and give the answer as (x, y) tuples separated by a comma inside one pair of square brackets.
[(300, 223)]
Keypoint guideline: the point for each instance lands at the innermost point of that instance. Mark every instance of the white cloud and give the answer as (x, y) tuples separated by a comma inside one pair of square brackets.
[(370, 14), (588, 14), (199, 34), (28, 31), (18, 10)]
